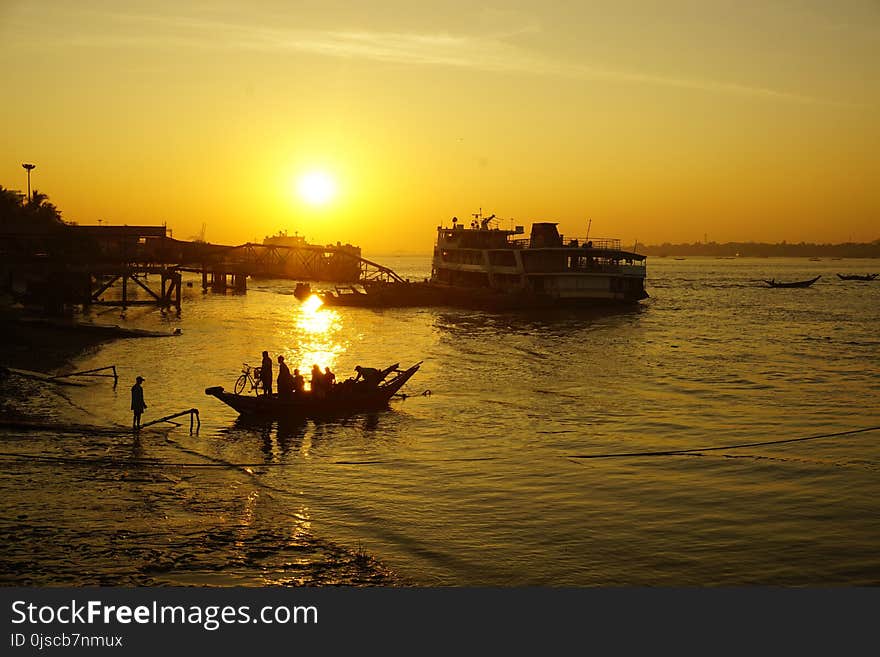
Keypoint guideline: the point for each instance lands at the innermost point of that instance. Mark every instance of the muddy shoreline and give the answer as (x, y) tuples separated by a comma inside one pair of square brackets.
[(45, 345), (100, 506)]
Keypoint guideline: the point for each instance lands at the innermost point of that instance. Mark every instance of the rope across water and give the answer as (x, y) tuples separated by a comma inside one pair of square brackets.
[(666, 452), (692, 450)]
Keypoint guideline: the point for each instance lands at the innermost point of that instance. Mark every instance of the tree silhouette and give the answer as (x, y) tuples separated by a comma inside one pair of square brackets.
[(19, 214)]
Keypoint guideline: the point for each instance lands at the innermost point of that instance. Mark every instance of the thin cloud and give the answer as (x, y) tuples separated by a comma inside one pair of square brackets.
[(491, 52)]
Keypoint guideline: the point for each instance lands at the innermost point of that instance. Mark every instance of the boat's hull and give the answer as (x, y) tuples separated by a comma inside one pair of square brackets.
[(432, 294), (857, 277), (795, 284), (345, 398)]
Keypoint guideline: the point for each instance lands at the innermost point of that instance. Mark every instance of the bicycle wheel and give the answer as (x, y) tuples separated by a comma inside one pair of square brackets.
[(241, 384)]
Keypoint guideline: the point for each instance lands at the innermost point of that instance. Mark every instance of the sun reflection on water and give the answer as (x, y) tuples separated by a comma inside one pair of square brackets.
[(315, 336)]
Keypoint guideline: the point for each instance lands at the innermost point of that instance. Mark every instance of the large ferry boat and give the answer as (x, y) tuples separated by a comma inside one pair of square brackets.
[(543, 269), (487, 267)]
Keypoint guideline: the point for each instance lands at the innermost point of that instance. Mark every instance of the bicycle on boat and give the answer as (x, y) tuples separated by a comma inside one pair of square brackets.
[(249, 379)]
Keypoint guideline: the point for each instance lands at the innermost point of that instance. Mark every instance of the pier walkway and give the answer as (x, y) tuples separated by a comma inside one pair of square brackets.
[(80, 264)]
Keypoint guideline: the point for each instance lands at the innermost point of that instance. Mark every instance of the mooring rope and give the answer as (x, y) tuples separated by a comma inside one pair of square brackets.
[(224, 464), (673, 452)]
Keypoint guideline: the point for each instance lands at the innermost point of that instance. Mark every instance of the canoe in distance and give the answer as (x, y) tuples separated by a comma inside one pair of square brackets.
[(857, 277), (774, 283)]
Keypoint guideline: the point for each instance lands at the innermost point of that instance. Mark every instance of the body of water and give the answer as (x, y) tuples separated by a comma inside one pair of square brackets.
[(481, 482)]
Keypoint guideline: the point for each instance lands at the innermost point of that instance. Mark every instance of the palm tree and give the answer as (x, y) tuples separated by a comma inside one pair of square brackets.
[(17, 213), (43, 211), (11, 205)]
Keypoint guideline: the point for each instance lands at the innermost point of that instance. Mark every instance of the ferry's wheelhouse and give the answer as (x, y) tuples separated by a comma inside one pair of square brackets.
[(544, 265)]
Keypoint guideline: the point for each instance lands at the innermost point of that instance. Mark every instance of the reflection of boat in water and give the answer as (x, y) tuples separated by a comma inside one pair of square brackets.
[(857, 277), (343, 398), (774, 283), (489, 268)]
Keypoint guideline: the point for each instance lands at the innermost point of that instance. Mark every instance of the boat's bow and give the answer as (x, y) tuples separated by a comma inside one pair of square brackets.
[(390, 386)]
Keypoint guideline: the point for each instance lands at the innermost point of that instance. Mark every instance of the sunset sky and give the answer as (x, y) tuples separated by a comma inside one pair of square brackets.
[(372, 122)]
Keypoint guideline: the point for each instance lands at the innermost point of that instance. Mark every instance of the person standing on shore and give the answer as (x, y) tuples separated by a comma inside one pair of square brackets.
[(137, 403), (266, 373)]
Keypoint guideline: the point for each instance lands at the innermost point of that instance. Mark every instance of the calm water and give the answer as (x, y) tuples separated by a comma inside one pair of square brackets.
[(475, 483)]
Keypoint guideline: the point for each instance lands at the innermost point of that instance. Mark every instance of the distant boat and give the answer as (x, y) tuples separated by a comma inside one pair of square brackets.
[(773, 283), (816, 259), (857, 277), (679, 258)]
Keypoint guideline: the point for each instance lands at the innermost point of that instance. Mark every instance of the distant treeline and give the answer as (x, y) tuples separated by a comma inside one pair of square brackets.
[(760, 249)]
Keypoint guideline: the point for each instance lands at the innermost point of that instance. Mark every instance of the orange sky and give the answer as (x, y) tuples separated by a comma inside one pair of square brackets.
[(660, 121)]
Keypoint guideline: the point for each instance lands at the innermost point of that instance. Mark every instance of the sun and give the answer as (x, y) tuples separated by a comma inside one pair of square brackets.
[(316, 188)]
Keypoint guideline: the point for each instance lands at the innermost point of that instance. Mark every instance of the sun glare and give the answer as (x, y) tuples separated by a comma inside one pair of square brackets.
[(316, 188), (311, 304)]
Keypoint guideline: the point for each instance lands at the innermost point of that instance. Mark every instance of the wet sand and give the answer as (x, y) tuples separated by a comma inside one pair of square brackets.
[(140, 517), (88, 505), (40, 344)]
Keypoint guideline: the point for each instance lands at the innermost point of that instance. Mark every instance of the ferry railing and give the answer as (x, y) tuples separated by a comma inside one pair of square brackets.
[(592, 242), (576, 242), (610, 267)]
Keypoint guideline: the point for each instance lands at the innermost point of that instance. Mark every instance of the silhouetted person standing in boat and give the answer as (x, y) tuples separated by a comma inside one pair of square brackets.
[(317, 381), (266, 373), (285, 380), (329, 379), (137, 403)]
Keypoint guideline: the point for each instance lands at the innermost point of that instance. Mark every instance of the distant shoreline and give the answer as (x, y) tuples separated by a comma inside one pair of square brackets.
[(763, 250)]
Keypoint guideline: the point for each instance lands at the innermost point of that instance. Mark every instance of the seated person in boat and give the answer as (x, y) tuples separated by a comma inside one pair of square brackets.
[(299, 382), (329, 378)]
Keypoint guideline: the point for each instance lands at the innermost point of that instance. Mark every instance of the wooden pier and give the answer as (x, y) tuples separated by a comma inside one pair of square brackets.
[(113, 265), (168, 294)]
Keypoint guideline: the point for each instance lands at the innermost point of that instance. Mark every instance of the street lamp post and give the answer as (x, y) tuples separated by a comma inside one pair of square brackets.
[(29, 167)]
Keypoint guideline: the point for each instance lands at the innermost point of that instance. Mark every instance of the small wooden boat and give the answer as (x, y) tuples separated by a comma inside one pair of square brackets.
[(344, 398), (774, 283), (857, 277)]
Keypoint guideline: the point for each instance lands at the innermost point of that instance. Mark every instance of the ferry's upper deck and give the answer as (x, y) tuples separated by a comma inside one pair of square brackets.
[(544, 235)]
